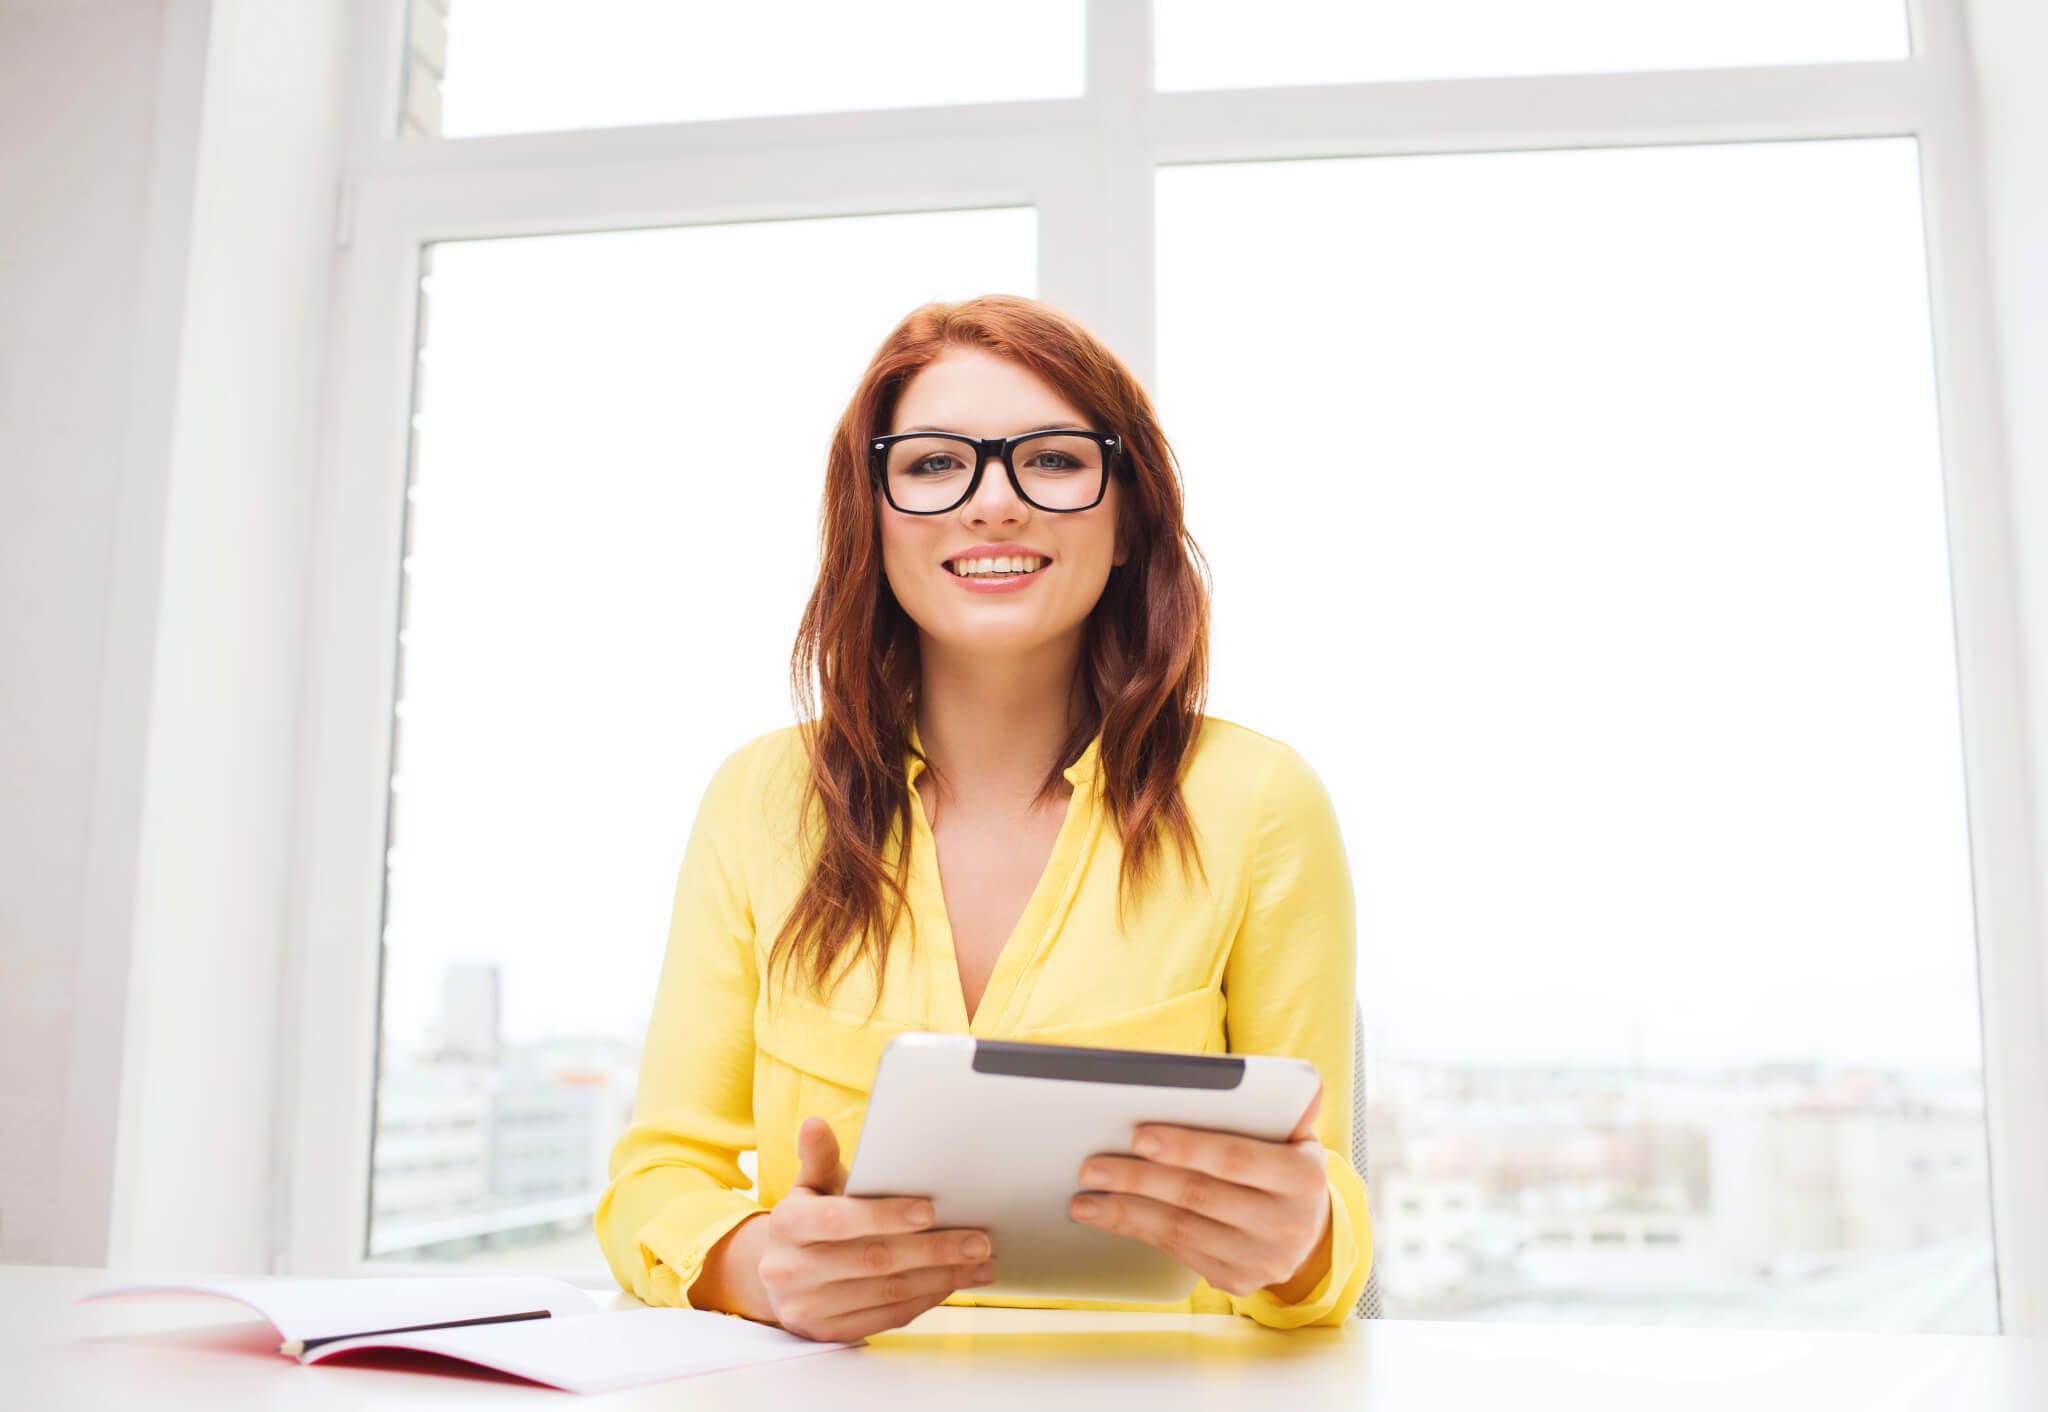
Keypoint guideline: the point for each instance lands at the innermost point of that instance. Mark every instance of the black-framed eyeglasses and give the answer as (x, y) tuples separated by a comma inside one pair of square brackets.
[(931, 472)]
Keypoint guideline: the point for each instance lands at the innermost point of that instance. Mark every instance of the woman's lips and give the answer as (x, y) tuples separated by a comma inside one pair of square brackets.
[(1006, 583)]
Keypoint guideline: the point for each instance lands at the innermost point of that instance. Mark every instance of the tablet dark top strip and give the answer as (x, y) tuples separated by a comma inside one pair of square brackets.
[(1107, 1066)]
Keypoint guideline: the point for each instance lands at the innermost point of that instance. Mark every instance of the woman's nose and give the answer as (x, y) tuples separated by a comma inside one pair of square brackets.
[(995, 483)]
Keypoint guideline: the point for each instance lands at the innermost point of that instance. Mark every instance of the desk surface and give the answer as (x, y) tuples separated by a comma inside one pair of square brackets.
[(56, 1356)]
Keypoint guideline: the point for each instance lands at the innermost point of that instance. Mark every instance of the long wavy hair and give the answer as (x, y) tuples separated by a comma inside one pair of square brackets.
[(1143, 677)]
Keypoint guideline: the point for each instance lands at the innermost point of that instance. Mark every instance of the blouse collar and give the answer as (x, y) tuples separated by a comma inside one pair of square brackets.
[(1077, 774)]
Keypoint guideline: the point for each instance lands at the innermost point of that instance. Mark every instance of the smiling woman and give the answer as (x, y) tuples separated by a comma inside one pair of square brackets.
[(1004, 760), (932, 499)]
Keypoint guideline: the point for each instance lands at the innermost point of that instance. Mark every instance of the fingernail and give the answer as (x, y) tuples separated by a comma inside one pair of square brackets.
[(1148, 1146), (920, 1215), (975, 1246)]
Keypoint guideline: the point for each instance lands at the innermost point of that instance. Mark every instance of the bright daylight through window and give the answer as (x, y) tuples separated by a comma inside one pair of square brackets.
[(1577, 513)]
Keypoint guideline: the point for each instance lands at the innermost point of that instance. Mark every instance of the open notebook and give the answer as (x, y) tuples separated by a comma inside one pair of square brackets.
[(545, 1330)]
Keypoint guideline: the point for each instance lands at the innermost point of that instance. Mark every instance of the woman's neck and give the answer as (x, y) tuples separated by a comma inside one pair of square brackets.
[(993, 729)]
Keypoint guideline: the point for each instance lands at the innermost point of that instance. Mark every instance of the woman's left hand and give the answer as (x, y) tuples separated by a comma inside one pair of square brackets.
[(1242, 1213)]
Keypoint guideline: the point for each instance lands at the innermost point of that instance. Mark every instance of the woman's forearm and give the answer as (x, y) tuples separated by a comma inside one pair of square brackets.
[(731, 1279)]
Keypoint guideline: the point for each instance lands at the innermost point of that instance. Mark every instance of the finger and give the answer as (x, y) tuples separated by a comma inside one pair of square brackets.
[(1230, 1203), (825, 1219), (883, 1255), (1307, 1126), (1195, 1240), (1272, 1168), (875, 1321), (880, 1291), (818, 1164)]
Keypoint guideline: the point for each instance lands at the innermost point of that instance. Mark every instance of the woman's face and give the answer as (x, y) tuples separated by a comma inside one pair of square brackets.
[(974, 393)]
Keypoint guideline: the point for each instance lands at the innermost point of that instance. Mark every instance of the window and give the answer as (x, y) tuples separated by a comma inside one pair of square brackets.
[(1595, 403), (1610, 480), (1337, 41), (477, 67), (609, 437)]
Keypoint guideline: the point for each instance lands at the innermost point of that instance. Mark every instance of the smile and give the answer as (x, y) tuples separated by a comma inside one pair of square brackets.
[(998, 583)]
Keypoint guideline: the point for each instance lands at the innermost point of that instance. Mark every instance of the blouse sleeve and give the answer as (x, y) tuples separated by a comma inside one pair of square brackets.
[(676, 1183), (1289, 988)]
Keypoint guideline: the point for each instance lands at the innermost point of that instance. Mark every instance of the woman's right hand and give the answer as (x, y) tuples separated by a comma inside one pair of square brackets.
[(838, 1268)]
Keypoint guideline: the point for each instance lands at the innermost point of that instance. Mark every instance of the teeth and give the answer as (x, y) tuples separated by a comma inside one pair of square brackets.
[(1005, 564)]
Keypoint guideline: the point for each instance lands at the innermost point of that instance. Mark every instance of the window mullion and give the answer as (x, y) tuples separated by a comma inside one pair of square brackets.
[(1095, 222), (1990, 651)]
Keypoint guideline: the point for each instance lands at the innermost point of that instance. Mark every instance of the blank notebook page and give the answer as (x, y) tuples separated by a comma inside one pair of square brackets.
[(606, 1352)]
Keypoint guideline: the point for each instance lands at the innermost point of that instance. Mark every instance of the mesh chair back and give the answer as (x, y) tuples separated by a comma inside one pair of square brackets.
[(1369, 1300)]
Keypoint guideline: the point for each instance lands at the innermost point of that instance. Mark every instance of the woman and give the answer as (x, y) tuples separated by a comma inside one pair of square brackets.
[(1011, 639)]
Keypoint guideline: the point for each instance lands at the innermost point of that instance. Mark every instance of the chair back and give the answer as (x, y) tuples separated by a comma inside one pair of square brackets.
[(1369, 1299)]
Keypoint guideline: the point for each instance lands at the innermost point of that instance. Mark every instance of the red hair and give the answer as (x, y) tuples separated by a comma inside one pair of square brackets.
[(1143, 677)]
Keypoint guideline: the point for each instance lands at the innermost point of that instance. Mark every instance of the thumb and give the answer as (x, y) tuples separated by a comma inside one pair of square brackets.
[(818, 1164), (1306, 1128)]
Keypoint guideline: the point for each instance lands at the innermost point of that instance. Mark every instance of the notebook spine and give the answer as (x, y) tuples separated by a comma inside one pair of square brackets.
[(297, 1348)]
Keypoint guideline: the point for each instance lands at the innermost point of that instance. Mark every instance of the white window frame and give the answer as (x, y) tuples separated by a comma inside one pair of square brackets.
[(1087, 165)]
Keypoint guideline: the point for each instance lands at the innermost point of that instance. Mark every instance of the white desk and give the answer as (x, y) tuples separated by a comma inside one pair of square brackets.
[(56, 1356)]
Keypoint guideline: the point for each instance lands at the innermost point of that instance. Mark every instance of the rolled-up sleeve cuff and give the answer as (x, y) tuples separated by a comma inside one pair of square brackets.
[(673, 1245), (1332, 1300)]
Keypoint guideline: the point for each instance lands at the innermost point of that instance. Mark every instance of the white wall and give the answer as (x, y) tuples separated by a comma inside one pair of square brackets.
[(169, 170), (167, 180), (78, 93)]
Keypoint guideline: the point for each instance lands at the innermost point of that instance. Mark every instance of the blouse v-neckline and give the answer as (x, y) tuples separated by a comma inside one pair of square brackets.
[(1050, 899)]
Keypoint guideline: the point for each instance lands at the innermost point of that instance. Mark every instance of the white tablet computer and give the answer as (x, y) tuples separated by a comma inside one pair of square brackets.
[(994, 1133)]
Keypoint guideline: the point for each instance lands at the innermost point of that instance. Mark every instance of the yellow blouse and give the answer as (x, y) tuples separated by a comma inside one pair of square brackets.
[(1260, 960)]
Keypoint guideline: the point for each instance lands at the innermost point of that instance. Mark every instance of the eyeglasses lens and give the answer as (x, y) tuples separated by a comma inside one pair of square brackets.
[(1057, 471)]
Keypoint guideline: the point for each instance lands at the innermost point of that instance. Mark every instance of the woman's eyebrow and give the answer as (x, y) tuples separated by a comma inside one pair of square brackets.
[(1046, 426)]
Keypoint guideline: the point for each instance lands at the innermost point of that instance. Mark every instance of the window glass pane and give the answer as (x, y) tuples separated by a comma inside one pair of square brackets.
[(476, 67), (621, 444), (1208, 44), (1601, 490)]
